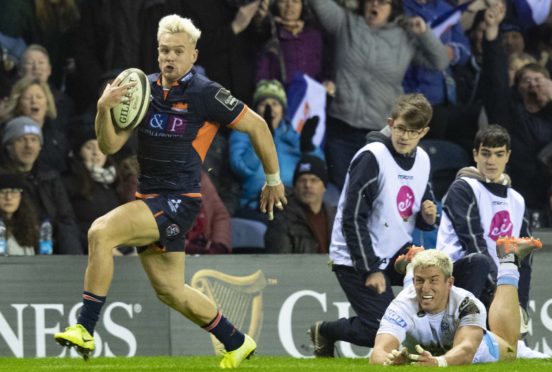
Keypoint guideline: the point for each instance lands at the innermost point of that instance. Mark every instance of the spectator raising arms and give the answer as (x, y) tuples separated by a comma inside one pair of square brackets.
[(373, 50), (296, 46), (525, 110)]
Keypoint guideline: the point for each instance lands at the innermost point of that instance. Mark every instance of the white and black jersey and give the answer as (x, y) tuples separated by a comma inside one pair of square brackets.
[(411, 326), (476, 215), (379, 205)]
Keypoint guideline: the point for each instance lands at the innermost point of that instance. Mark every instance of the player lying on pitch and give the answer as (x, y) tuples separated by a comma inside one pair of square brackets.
[(432, 322)]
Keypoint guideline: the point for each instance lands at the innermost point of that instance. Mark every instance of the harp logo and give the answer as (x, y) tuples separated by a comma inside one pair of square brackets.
[(239, 298)]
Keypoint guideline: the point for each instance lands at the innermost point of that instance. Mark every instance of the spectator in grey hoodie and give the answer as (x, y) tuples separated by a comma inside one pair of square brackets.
[(373, 51)]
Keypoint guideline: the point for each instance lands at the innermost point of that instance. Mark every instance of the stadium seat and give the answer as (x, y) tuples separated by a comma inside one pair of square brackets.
[(427, 239), (446, 159), (331, 197), (247, 235)]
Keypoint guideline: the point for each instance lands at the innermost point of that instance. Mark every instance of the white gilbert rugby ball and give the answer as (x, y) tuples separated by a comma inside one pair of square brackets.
[(128, 114)]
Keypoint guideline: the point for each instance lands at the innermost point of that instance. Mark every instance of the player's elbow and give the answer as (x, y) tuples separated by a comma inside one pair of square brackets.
[(468, 353), (107, 148)]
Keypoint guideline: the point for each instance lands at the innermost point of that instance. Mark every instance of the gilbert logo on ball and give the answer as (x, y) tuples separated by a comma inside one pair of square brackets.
[(128, 114)]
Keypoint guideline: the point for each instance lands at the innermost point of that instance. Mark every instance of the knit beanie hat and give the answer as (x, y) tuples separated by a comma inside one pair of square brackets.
[(311, 165), (512, 26), (18, 127), (11, 181), (81, 135), (270, 89)]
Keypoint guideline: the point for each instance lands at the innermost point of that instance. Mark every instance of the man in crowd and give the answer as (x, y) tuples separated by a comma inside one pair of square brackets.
[(305, 225)]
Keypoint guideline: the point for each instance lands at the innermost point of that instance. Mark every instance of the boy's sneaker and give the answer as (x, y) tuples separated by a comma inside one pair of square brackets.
[(323, 348), (404, 259), (78, 337), (520, 247), (232, 359)]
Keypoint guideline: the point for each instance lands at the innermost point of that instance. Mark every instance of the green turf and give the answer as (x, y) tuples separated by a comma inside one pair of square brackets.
[(207, 363)]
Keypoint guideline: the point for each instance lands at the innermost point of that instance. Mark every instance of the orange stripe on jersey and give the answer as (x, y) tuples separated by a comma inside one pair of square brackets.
[(204, 138), (145, 196), (157, 214), (192, 195), (238, 118), (160, 83), (180, 106)]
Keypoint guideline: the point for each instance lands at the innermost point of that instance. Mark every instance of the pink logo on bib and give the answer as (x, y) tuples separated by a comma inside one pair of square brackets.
[(501, 225), (405, 201)]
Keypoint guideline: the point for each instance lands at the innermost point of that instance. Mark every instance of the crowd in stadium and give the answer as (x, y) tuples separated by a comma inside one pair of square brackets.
[(462, 162), (58, 55)]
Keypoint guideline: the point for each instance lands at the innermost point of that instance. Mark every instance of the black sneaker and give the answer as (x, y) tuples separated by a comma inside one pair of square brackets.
[(323, 348)]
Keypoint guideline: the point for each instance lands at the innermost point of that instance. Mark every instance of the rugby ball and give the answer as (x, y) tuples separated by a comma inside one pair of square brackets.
[(129, 113)]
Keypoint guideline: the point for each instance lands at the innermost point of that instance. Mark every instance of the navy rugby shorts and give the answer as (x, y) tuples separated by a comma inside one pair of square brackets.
[(175, 214)]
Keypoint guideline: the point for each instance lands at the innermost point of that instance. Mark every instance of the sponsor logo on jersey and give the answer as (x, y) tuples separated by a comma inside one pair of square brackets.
[(393, 317), (165, 123), (226, 99), (174, 204), (172, 230), (405, 202), (467, 307), (501, 225), (405, 177)]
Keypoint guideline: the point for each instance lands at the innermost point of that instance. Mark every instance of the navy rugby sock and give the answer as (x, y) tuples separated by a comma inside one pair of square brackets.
[(90, 311), (225, 332)]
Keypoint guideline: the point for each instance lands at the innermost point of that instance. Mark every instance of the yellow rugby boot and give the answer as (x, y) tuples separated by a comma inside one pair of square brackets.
[(232, 359), (78, 337)]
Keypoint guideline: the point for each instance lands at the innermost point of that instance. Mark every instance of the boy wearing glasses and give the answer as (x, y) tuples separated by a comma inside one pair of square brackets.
[(386, 194)]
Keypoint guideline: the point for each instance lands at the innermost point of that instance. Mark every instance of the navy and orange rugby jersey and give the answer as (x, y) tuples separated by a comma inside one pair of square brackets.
[(178, 129)]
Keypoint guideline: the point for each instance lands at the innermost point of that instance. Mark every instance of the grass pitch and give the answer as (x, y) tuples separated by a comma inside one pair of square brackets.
[(258, 363)]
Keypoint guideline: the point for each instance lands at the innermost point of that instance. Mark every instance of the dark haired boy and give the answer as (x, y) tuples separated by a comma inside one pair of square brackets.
[(480, 207)]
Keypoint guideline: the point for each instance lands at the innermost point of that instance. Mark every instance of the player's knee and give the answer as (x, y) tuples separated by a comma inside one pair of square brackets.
[(98, 235)]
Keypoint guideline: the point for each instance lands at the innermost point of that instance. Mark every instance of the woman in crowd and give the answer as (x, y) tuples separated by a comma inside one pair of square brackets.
[(90, 181), (296, 46), (33, 98), (18, 217)]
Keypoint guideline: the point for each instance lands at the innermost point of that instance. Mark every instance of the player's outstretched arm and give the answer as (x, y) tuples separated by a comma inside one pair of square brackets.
[(110, 138), (272, 194), (388, 351), (466, 341)]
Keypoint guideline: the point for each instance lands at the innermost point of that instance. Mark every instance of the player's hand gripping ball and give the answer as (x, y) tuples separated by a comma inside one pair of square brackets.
[(130, 112)]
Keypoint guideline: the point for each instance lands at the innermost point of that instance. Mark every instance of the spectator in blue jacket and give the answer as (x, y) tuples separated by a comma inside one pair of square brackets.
[(438, 86), (270, 101)]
